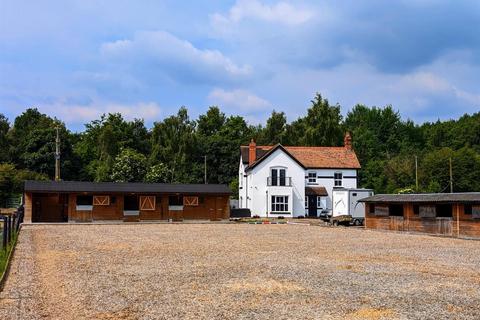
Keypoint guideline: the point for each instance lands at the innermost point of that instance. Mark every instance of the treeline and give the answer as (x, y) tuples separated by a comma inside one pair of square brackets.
[(174, 150)]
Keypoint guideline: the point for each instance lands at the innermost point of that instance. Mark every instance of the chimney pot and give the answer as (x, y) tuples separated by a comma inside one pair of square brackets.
[(252, 152)]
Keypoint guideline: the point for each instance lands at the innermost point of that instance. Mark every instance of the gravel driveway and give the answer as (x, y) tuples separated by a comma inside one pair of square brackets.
[(228, 271)]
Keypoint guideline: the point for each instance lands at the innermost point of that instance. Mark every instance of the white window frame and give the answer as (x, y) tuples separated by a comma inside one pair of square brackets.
[(279, 202), (278, 175), (337, 182), (312, 179)]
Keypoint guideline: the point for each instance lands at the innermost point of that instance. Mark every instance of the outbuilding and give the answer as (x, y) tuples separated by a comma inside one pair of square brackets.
[(78, 201), (451, 214)]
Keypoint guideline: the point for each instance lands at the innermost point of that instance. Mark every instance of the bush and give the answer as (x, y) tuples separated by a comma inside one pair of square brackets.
[(256, 216)]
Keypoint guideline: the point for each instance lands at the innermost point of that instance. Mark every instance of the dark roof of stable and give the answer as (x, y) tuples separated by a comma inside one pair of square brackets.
[(424, 198), (124, 187)]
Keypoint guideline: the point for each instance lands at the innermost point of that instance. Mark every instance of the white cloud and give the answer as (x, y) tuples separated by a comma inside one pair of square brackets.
[(161, 52), (76, 114), (281, 12), (238, 99)]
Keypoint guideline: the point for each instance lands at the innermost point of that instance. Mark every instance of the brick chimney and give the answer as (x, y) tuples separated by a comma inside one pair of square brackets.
[(347, 141), (252, 152)]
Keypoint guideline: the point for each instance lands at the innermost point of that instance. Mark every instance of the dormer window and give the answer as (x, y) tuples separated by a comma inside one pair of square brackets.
[(312, 177)]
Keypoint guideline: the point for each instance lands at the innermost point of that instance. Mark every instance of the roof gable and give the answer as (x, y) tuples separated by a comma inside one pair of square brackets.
[(271, 151)]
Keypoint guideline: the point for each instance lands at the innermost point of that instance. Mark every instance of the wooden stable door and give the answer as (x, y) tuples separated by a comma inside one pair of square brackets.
[(216, 208)]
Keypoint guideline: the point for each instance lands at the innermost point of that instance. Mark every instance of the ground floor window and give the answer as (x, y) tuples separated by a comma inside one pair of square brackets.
[(319, 202), (279, 203)]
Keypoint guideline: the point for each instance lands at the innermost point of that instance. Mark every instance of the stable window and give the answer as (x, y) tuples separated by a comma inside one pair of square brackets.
[(84, 203), (395, 210), (84, 200), (428, 211), (130, 203), (476, 212), (175, 200), (337, 179), (279, 203), (444, 210), (312, 177), (371, 208), (381, 210)]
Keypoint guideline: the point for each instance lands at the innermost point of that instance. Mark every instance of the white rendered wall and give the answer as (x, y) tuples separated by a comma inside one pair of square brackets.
[(325, 179), (257, 185)]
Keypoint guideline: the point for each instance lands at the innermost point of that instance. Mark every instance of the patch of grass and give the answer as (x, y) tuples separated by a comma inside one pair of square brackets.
[(4, 254)]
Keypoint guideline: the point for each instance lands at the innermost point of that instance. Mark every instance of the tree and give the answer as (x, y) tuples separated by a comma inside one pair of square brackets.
[(4, 143), (174, 143), (129, 166), (33, 144), (323, 124), (158, 173), (103, 139), (275, 129), (12, 180)]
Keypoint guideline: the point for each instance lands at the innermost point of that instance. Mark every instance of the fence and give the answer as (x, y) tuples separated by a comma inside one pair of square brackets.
[(10, 226)]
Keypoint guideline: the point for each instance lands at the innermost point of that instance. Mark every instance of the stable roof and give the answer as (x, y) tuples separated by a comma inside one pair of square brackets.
[(424, 198), (123, 187)]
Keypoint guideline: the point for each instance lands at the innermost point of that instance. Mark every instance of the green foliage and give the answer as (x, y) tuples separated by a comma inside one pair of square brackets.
[(129, 166), (158, 173), (323, 124), (12, 180), (4, 143), (32, 144), (103, 139)]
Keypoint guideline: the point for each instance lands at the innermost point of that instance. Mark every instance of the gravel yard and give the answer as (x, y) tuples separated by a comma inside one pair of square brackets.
[(228, 271)]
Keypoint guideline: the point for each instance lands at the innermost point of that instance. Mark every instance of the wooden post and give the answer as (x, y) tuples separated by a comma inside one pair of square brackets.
[(457, 206), (28, 208)]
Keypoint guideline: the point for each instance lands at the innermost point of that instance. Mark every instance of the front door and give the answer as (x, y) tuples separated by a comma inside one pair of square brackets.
[(312, 206)]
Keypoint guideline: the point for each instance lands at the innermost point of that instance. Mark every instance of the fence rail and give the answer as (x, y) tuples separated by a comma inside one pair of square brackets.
[(10, 226)]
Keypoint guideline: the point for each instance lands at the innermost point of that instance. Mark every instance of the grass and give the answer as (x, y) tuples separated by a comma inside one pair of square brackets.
[(5, 254)]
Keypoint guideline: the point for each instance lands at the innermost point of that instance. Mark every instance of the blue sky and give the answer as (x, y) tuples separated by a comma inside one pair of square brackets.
[(77, 59)]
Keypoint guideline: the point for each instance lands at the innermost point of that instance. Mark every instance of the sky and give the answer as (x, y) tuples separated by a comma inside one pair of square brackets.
[(78, 59)]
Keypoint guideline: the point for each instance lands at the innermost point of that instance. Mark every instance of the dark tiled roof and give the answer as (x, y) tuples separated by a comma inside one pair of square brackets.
[(124, 187), (313, 157), (316, 191), (424, 197)]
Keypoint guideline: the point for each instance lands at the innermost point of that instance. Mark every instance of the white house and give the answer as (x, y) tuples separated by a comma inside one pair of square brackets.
[(294, 181)]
